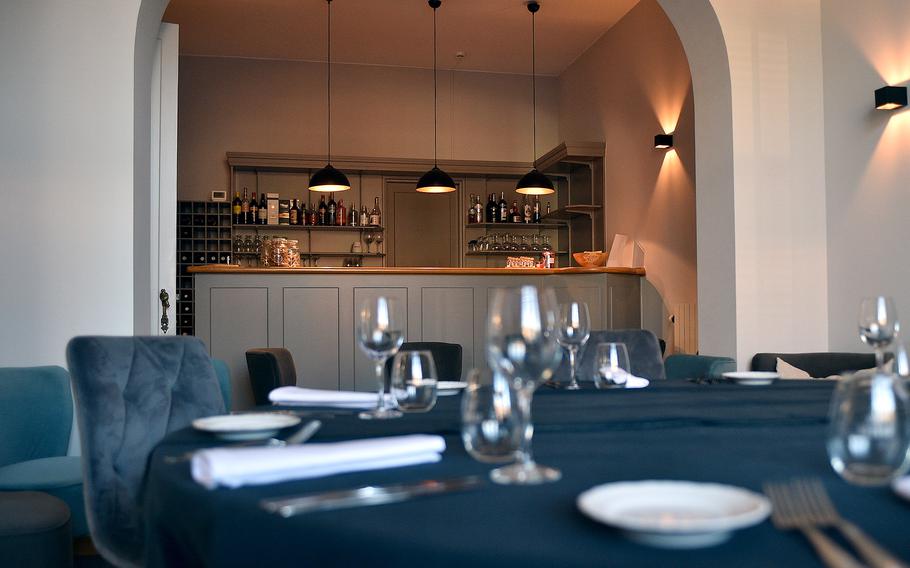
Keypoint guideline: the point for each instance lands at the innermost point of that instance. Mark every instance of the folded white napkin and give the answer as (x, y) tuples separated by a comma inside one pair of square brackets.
[(235, 467), (297, 396)]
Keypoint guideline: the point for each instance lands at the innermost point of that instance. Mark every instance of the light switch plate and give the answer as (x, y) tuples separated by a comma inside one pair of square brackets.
[(219, 195)]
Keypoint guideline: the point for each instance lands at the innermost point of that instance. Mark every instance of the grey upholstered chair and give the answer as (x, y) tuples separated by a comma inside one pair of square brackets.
[(644, 354), (34, 530), (269, 368), (131, 392)]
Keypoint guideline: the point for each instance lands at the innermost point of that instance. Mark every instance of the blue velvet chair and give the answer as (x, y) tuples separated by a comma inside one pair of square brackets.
[(130, 393), (698, 366), (36, 417), (224, 381)]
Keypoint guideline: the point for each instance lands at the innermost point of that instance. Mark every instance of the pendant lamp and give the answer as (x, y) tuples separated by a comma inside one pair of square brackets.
[(534, 182), (329, 179), (435, 180)]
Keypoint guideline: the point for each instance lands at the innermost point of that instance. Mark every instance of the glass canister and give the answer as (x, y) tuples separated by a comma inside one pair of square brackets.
[(279, 253), (293, 258), (265, 254)]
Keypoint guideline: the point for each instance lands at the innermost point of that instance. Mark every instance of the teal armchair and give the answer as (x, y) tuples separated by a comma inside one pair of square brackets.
[(36, 417), (698, 366)]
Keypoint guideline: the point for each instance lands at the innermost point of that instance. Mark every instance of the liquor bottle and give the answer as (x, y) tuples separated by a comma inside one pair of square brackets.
[(478, 210), (471, 210), (236, 207), (245, 206), (492, 210), (341, 213), (548, 208), (515, 213), (503, 208), (535, 216), (314, 215), (526, 206), (376, 214), (253, 217), (263, 209), (323, 211), (354, 216), (301, 212), (364, 216), (333, 208), (293, 213)]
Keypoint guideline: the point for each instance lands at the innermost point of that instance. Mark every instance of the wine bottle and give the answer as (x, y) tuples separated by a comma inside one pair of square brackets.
[(548, 208), (323, 211), (364, 216), (536, 214), (236, 208), (470, 217), (253, 216), (491, 212), (376, 214), (245, 206), (503, 208), (515, 212), (293, 213), (478, 210), (263, 209), (354, 215), (332, 209), (526, 206), (314, 215), (341, 213)]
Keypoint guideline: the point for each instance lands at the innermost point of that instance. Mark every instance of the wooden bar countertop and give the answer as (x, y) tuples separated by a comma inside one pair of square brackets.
[(235, 269)]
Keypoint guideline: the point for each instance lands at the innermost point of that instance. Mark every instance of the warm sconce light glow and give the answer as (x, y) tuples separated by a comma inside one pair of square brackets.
[(663, 141), (890, 98)]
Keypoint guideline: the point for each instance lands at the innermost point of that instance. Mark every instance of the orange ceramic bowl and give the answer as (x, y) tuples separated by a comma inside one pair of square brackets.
[(590, 259)]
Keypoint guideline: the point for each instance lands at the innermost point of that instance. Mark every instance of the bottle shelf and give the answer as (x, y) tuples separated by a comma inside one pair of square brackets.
[(515, 226), (325, 254), (329, 228), (509, 252)]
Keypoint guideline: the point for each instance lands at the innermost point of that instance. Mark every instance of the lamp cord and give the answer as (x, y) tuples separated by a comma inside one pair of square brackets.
[(328, 94), (534, 88), (435, 102)]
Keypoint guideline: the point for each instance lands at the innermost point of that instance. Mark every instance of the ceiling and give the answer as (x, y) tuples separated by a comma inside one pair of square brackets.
[(495, 35)]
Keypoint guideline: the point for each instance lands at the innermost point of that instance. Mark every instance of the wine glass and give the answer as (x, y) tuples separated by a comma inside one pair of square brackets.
[(368, 239), (491, 426), (378, 238), (521, 344), (413, 381), (573, 332), (611, 365), (869, 428), (379, 336), (878, 325)]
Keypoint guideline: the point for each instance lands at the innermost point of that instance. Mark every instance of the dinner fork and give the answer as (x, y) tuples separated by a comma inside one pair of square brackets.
[(827, 515), (791, 510)]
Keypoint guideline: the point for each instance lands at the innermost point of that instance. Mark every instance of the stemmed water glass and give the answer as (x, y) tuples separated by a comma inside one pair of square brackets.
[(573, 332), (368, 239), (878, 325), (522, 345), (380, 336), (378, 239)]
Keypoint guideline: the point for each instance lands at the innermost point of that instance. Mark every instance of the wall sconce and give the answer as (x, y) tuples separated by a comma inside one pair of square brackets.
[(663, 141), (890, 98)]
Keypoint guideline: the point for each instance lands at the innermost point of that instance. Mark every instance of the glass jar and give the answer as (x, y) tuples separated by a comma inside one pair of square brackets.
[(293, 258), (279, 253), (265, 255)]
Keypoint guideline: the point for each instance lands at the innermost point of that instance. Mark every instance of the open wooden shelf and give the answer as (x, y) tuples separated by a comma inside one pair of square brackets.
[(515, 226), (329, 228)]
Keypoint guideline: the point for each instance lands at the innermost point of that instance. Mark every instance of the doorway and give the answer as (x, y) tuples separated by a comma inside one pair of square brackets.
[(421, 228)]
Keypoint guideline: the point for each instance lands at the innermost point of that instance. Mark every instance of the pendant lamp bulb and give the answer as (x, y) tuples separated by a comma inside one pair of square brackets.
[(435, 180), (534, 182), (329, 179)]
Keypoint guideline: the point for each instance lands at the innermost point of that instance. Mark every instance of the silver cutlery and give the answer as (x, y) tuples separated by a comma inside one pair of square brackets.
[(298, 437), (365, 496), (827, 515), (791, 510)]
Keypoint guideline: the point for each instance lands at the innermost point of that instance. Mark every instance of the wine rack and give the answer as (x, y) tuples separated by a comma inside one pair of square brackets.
[(204, 236)]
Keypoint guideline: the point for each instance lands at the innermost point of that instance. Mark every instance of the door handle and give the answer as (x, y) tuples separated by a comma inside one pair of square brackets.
[(165, 304)]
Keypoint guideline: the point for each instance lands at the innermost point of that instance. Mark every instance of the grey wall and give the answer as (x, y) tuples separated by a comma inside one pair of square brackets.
[(867, 160)]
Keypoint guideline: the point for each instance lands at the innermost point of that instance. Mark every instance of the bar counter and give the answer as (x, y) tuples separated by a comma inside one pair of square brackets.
[(312, 312)]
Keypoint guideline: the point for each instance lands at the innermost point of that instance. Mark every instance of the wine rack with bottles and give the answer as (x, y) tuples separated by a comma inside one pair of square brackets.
[(203, 237)]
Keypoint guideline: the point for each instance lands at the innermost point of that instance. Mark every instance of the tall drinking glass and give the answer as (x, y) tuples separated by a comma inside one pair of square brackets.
[(522, 345), (869, 428), (878, 326), (611, 366), (573, 332), (492, 427), (380, 336)]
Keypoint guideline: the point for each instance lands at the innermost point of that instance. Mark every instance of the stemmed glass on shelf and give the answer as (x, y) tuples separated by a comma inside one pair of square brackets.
[(378, 238), (878, 325), (368, 239), (522, 345), (380, 336), (573, 332)]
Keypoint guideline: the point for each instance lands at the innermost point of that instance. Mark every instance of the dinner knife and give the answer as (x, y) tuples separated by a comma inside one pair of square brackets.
[(367, 495)]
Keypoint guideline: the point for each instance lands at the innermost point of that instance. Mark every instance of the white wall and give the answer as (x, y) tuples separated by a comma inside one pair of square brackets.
[(868, 161), (66, 150)]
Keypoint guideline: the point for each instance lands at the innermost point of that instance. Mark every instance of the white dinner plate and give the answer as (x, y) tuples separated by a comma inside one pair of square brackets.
[(253, 426), (449, 388), (901, 486), (752, 378), (674, 514), (637, 383)]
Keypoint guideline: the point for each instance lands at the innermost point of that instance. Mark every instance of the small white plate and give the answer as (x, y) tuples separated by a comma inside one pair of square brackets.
[(901, 486), (752, 378), (449, 388), (674, 514), (253, 426)]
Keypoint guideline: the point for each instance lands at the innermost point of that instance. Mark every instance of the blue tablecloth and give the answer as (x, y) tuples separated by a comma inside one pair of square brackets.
[(672, 430)]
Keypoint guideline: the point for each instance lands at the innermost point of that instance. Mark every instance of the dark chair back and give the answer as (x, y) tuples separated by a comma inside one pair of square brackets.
[(819, 365), (131, 392), (36, 413), (270, 368), (683, 366), (644, 354), (447, 357)]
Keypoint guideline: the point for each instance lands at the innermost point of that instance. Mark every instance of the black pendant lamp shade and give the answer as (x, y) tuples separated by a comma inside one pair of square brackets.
[(534, 182), (329, 179), (435, 180)]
